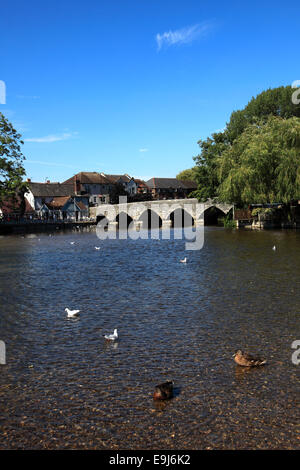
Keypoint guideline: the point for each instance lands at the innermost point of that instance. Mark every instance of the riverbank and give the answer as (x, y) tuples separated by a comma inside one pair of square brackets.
[(11, 228), (266, 225)]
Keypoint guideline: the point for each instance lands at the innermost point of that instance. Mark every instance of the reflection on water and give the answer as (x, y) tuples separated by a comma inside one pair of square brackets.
[(65, 387)]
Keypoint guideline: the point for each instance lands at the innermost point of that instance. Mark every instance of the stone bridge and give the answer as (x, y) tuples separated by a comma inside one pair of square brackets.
[(164, 213)]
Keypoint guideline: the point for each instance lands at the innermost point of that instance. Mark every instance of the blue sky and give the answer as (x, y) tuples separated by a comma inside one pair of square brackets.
[(131, 86)]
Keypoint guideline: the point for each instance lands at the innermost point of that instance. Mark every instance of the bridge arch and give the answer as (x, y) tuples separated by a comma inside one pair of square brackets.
[(123, 220), (181, 218), (102, 220), (100, 217), (150, 219), (188, 208), (212, 214)]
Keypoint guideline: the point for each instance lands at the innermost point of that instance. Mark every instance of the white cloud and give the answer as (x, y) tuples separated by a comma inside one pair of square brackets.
[(182, 36), (50, 138), (143, 150)]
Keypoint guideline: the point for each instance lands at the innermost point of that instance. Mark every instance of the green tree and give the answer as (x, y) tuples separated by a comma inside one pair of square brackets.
[(271, 102), (190, 174), (117, 191), (263, 164), (216, 151), (11, 160), (206, 162)]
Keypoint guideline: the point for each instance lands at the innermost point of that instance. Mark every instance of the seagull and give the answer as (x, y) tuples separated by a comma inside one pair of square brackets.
[(97, 247), (183, 260), (71, 313), (72, 243), (274, 248), (112, 337)]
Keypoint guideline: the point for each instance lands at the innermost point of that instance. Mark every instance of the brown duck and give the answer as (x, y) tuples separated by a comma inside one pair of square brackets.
[(163, 391), (246, 360)]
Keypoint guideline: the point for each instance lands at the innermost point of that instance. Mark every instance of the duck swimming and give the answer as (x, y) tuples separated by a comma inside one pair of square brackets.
[(246, 360), (163, 391)]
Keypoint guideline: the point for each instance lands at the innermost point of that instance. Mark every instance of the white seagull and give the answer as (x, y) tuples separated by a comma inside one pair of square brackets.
[(112, 337), (71, 313), (183, 260), (274, 248), (72, 243), (97, 247)]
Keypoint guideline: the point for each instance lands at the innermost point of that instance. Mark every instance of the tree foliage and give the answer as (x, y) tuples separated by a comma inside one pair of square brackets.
[(190, 174), (11, 160), (117, 191), (263, 163), (207, 179), (255, 158)]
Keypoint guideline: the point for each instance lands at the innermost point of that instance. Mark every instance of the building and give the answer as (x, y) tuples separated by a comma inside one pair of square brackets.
[(55, 201), (170, 188), (67, 208), (142, 187), (126, 181), (96, 185)]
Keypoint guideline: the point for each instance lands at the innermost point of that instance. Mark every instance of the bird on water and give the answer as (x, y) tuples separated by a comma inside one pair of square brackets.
[(164, 391), (246, 360), (72, 313), (112, 337)]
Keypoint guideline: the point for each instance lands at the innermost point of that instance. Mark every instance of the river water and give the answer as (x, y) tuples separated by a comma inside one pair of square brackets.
[(64, 387)]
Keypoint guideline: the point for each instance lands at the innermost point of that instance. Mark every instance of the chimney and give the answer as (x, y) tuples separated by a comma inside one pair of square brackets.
[(48, 181), (28, 180), (75, 185)]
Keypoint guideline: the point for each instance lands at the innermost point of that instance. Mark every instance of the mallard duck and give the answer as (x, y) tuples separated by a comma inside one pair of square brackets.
[(163, 391), (246, 360)]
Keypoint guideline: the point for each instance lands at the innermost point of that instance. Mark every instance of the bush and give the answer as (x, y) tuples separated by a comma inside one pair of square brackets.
[(262, 212), (228, 222)]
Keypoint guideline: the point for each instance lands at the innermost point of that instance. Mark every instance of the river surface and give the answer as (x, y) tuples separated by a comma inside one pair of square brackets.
[(64, 387)]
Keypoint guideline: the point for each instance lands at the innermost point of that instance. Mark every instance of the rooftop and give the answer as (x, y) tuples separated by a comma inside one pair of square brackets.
[(88, 177), (170, 183), (116, 178), (51, 189)]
